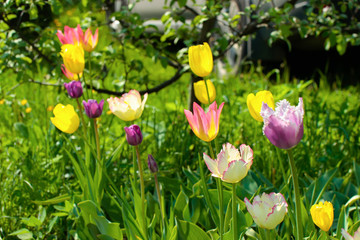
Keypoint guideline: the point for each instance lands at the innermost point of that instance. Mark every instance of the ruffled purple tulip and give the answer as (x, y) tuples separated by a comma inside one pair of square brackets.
[(93, 109), (133, 135), (74, 89), (152, 164), (284, 126)]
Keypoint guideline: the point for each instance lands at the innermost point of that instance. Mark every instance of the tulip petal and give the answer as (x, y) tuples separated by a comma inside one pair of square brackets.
[(346, 235), (192, 122), (211, 165), (246, 154), (235, 172)]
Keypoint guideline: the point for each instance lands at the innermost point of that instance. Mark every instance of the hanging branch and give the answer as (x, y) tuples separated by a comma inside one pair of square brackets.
[(155, 89)]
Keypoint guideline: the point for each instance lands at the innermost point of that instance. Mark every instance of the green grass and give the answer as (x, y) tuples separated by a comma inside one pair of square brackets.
[(34, 166)]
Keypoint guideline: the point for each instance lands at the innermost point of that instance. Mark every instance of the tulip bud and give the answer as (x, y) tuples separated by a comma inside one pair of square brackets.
[(323, 215), (133, 135), (152, 164), (73, 57), (74, 89), (93, 109), (202, 94), (201, 59)]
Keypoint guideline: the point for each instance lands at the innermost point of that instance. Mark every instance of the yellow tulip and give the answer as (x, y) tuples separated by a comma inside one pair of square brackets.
[(254, 103), (73, 57), (323, 215), (200, 91), (201, 60), (66, 119)]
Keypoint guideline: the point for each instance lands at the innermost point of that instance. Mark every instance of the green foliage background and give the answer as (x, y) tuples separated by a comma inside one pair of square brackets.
[(35, 168)]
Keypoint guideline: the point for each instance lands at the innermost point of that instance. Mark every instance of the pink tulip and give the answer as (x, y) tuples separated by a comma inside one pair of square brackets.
[(205, 125), (71, 35), (90, 41), (267, 210), (231, 164), (347, 236), (284, 126)]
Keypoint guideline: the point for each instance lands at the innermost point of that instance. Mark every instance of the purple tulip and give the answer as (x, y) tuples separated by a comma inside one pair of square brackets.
[(92, 108), (152, 164), (74, 89), (284, 126), (133, 135)]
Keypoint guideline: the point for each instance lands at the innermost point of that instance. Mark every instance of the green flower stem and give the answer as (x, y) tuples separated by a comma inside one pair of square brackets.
[(299, 229), (87, 158), (267, 232), (81, 117), (142, 190), (221, 206), (159, 197), (234, 212), (87, 94), (99, 162), (207, 91), (281, 163), (214, 216), (91, 84), (220, 196), (97, 141), (134, 165)]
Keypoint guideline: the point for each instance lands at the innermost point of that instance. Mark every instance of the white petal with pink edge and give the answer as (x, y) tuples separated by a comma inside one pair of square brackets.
[(212, 165), (235, 172)]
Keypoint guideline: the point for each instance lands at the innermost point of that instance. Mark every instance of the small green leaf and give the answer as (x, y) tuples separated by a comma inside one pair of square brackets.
[(23, 234), (21, 129)]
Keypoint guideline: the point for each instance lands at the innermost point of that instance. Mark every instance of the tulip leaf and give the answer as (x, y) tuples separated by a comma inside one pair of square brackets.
[(318, 187), (55, 200), (341, 221), (354, 227), (180, 205), (94, 217), (357, 173), (189, 231)]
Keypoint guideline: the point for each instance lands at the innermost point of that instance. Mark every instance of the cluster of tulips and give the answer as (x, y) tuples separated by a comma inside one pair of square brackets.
[(283, 126)]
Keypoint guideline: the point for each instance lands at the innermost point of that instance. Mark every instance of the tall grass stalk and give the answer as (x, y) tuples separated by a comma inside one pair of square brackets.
[(209, 203)]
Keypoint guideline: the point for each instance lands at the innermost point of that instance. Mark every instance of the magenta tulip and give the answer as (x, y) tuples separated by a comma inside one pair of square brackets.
[(133, 135), (74, 89), (284, 126), (93, 109)]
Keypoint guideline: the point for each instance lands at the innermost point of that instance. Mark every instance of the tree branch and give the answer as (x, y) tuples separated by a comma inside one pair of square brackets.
[(157, 88)]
